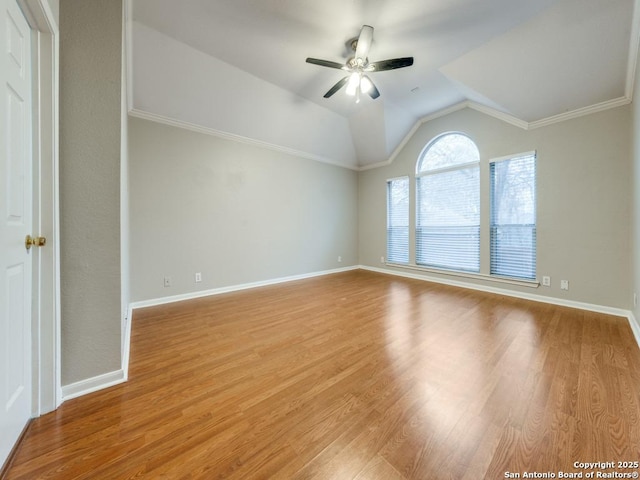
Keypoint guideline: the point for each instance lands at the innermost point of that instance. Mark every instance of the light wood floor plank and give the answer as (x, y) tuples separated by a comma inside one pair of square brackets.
[(355, 375)]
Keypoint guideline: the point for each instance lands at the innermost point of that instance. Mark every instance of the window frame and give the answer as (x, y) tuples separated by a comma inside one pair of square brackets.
[(484, 206), (492, 226), (423, 172), (389, 183)]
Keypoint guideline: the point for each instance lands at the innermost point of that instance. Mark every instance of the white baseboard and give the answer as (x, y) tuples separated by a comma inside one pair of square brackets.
[(635, 327), (502, 291), (90, 385), (620, 312), (106, 380), (126, 344), (234, 288)]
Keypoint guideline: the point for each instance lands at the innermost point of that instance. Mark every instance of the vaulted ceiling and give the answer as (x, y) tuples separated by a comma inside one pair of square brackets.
[(527, 60)]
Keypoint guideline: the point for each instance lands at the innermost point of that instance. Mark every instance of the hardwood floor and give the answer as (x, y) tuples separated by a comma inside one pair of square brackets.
[(355, 375)]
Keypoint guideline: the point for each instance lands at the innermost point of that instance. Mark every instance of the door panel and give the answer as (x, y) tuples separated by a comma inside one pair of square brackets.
[(15, 223), (15, 335), (15, 158)]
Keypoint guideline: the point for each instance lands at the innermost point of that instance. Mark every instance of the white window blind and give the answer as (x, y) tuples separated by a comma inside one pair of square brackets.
[(513, 217), (448, 210), (398, 220)]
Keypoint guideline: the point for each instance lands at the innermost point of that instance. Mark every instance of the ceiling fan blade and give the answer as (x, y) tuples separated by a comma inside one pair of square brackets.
[(391, 64), (372, 90), (336, 87), (326, 63), (364, 43)]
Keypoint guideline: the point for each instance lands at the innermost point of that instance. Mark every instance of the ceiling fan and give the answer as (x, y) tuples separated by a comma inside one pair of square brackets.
[(358, 66)]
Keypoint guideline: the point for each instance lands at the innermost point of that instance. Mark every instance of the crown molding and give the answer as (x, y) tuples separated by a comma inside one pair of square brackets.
[(498, 114), (489, 111), (154, 117), (580, 112), (510, 119)]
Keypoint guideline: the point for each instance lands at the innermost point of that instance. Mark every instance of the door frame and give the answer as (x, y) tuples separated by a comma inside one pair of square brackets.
[(46, 364)]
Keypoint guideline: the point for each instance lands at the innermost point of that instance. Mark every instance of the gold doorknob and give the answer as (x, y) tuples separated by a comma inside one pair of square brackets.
[(30, 241)]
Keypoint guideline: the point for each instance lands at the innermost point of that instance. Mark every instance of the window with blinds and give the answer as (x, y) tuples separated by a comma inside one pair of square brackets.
[(448, 204), (398, 220), (513, 217)]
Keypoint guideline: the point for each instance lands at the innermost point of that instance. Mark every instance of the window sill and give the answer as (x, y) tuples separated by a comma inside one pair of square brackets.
[(475, 276)]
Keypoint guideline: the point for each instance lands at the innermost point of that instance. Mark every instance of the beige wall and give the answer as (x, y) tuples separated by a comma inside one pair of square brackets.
[(90, 73), (234, 212), (584, 191)]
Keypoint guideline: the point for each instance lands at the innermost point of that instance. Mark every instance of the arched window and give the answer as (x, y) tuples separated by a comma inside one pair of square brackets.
[(448, 150), (448, 204)]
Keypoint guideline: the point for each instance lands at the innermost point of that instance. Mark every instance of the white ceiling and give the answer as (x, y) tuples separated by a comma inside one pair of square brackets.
[(531, 59)]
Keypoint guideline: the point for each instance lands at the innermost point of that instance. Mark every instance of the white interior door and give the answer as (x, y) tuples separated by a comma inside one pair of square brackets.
[(16, 222)]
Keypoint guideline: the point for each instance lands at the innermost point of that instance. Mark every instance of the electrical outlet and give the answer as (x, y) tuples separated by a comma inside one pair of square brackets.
[(198, 277), (167, 282), (564, 284), (339, 259), (635, 299), (381, 259), (546, 281)]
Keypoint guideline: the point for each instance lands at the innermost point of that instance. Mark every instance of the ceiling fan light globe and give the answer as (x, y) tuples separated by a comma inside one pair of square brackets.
[(354, 82)]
